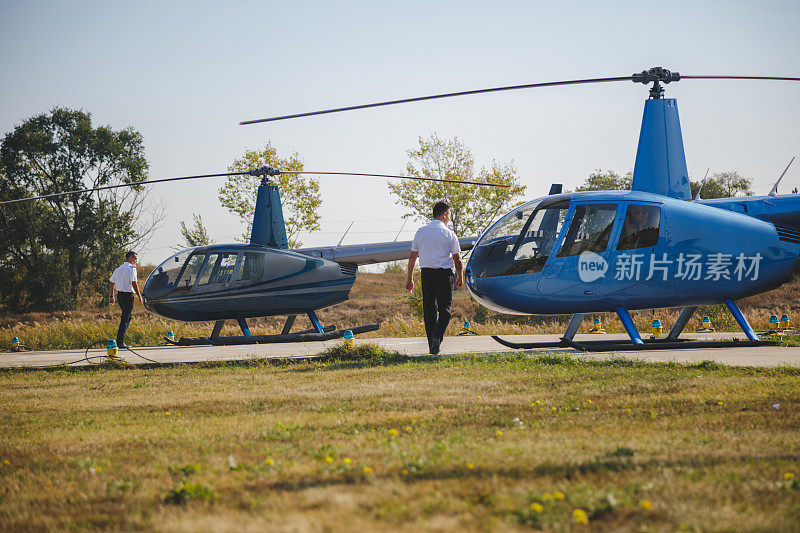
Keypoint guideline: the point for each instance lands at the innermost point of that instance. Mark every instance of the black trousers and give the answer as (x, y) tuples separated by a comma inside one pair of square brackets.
[(437, 297), (125, 301)]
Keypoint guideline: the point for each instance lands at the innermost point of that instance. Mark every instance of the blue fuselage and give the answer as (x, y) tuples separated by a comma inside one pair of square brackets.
[(588, 252)]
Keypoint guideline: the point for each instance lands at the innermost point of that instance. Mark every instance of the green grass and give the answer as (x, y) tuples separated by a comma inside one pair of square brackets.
[(375, 440)]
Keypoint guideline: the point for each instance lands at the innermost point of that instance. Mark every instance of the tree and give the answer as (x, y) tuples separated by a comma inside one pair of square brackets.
[(54, 249), (606, 181), (723, 185), (300, 195), (196, 235), (474, 207)]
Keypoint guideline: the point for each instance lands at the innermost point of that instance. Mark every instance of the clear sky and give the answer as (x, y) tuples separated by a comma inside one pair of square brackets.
[(184, 73)]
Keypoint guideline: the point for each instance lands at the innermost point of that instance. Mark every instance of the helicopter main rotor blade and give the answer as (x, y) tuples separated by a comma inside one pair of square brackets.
[(465, 182), (656, 74), (436, 96), (721, 77), (258, 172), (106, 187)]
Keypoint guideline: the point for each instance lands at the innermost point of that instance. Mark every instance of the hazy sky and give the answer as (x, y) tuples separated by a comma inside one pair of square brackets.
[(185, 73)]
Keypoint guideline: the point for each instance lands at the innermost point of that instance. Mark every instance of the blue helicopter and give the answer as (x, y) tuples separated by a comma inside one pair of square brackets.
[(653, 246)]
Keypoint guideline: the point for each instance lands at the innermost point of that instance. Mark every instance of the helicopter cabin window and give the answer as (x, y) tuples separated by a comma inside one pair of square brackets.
[(538, 238), (641, 226), (189, 274), (163, 279), (251, 267), (219, 268), (589, 230), (522, 240)]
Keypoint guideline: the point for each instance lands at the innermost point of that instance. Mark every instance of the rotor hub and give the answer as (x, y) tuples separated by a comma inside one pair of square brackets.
[(656, 76), (265, 173)]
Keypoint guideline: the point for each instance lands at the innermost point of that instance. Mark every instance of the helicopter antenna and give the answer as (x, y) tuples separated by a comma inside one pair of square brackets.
[(401, 229), (697, 196), (656, 75), (345, 232), (774, 191)]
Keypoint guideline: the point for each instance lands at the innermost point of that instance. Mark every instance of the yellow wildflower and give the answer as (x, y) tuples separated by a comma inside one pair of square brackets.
[(269, 461), (547, 496), (469, 466), (554, 408), (6, 462), (409, 428), (537, 507), (168, 413), (404, 472), (328, 459), (558, 495), (787, 475), (498, 433), (480, 397), (393, 432), (580, 516), (367, 469), (646, 505), (347, 461)]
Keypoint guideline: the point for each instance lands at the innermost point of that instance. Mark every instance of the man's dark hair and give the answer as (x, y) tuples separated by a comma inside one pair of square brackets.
[(129, 255), (439, 209)]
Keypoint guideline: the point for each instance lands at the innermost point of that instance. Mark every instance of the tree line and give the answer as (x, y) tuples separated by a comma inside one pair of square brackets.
[(56, 252)]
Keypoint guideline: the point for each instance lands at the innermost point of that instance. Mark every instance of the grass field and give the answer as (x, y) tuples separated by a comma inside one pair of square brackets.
[(390, 442)]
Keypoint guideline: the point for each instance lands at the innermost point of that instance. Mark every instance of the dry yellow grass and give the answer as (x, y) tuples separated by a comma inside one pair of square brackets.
[(389, 442)]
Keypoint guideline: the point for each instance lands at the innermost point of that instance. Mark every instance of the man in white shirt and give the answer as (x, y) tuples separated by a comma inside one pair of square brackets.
[(124, 281), (438, 250)]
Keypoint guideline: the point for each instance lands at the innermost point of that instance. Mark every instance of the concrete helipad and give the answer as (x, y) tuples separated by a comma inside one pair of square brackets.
[(759, 356)]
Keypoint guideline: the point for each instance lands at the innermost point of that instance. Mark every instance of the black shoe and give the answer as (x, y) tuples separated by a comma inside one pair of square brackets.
[(123, 345), (435, 343)]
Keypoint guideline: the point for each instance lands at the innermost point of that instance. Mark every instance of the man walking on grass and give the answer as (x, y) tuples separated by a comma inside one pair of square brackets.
[(438, 250), (124, 281)]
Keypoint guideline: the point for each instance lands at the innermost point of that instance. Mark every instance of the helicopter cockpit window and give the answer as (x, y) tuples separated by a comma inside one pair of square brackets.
[(589, 230), (189, 274), (252, 267), (522, 240), (162, 279), (219, 268), (641, 226)]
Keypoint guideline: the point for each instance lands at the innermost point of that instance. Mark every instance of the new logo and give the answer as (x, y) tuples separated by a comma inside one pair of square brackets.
[(591, 267)]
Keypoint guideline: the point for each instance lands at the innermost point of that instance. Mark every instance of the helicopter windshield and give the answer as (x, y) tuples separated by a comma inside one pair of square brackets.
[(162, 279), (522, 240)]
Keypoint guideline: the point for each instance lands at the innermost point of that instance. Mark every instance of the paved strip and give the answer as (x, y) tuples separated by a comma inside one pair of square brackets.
[(765, 356)]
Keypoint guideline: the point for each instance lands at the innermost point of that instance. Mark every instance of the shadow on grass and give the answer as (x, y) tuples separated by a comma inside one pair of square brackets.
[(571, 470)]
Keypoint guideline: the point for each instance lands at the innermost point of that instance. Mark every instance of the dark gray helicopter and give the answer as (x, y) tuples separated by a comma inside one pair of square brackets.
[(263, 277)]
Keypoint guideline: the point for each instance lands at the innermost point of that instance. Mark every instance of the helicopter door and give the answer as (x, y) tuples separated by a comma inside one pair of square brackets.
[(188, 275), (640, 264), (580, 264), (217, 273)]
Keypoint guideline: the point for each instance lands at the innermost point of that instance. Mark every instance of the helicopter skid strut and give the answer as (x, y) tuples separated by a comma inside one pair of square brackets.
[(329, 333), (671, 342)]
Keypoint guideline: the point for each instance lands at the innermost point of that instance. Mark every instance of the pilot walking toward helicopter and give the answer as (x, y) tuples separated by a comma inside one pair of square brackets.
[(438, 250), (124, 281)]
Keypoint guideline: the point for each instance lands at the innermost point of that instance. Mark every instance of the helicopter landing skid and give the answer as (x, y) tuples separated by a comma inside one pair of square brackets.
[(301, 336), (614, 345)]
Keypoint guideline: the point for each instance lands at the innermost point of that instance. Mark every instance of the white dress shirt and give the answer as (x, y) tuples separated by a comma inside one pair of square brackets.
[(123, 277), (436, 244)]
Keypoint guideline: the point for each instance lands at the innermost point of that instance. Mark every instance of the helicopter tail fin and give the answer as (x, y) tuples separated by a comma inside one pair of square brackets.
[(660, 161)]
